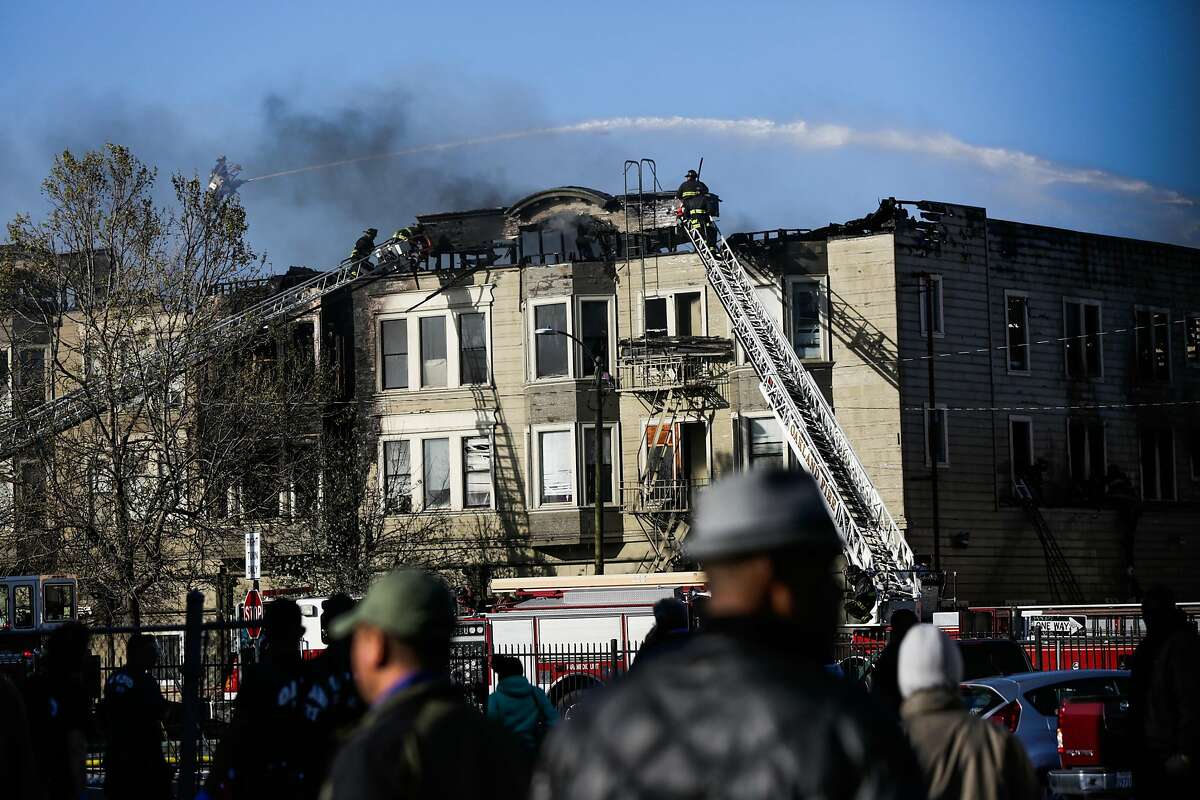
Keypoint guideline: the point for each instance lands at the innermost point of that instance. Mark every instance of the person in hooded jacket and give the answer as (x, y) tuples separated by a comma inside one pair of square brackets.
[(518, 705)]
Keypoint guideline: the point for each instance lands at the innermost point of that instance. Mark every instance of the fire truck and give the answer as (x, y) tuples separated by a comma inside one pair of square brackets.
[(30, 607), (570, 633)]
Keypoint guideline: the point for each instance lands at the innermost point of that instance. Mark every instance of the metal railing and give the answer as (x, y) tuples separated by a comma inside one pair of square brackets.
[(638, 371), (658, 496)]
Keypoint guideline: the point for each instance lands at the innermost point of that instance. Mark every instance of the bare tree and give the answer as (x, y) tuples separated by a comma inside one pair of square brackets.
[(112, 291)]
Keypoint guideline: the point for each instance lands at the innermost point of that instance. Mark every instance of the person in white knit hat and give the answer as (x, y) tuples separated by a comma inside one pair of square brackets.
[(962, 756)]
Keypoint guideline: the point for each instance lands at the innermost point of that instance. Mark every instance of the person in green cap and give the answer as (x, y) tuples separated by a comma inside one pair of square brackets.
[(418, 738)]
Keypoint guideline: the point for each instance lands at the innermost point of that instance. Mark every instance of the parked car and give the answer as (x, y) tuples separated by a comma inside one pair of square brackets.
[(981, 658), (1027, 704), (1096, 748)]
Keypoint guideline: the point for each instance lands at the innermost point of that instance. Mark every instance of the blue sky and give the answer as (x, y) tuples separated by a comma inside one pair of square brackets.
[(1082, 115)]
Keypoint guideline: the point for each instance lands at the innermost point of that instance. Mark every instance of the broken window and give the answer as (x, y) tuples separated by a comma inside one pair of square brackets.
[(606, 464), (1152, 337), (397, 477), (1191, 340), (660, 452), (550, 349), (433, 351), (656, 316), (937, 439), (593, 329), (1085, 449), (689, 315), (805, 306), (1017, 325), (1081, 325), (931, 304), (554, 461), (394, 349), (472, 337), (1158, 464), (1020, 446), (436, 467), (765, 440), (477, 469)]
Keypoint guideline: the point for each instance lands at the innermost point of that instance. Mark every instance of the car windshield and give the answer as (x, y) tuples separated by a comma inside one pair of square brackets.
[(1047, 699), (987, 658)]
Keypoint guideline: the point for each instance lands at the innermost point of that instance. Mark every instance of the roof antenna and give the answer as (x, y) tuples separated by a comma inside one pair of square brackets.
[(700, 168)]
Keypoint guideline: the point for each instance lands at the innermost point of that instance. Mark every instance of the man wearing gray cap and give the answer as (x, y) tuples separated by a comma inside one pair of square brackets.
[(418, 739), (743, 710)]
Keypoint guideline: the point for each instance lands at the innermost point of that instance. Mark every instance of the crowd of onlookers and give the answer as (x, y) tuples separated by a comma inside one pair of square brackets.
[(745, 709)]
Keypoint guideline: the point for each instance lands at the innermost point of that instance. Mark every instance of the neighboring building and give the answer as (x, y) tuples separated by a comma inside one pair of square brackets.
[(478, 417)]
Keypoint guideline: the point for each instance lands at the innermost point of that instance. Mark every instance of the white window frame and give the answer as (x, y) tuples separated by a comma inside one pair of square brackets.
[(1028, 336), (614, 443), (1138, 333), (743, 426), (822, 284), (413, 501), (585, 370), (922, 285), (1083, 301), (536, 472), (462, 473), (673, 310), (1012, 462), (569, 302), (1087, 448), (455, 314), (945, 433)]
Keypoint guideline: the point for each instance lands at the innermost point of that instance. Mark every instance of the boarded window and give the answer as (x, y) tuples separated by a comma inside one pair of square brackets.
[(477, 466), (557, 473), (1017, 324), (397, 477), (394, 336), (550, 348), (472, 335), (433, 351)]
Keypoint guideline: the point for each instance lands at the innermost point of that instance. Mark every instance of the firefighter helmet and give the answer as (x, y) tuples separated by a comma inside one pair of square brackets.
[(691, 173), (761, 511)]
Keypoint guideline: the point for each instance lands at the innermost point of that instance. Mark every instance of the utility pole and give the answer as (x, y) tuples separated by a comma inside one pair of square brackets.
[(933, 415), (598, 469)]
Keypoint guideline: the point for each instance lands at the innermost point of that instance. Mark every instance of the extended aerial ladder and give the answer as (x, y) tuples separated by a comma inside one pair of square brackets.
[(176, 357), (872, 541)]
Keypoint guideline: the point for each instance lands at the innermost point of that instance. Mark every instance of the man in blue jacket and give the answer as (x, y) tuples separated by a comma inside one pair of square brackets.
[(518, 705)]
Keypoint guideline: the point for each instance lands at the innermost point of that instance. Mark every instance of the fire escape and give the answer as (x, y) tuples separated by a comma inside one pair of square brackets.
[(679, 381)]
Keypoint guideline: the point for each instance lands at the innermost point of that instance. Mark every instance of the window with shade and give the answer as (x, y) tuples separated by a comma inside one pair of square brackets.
[(436, 473), (805, 307), (433, 351), (765, 446), (556, 478)]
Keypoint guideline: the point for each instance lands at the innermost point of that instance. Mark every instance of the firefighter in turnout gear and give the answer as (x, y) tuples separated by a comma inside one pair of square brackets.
[(694, 199), (363, 248), (411, 243)]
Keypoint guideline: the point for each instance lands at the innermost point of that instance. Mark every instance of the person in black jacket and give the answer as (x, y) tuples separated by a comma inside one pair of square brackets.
[(419, 739), (693, 198), (133, 710), (361, 252), (885, 687), (744, 710)]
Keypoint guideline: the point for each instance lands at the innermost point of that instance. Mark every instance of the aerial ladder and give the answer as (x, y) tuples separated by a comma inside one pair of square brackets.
[(178, 356), (872, 542)]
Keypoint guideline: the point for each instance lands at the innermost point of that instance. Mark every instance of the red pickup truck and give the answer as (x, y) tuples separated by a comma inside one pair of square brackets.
[(1095, 748)]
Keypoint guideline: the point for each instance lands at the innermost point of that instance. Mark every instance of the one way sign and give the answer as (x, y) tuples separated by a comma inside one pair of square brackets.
[(1067, 625)]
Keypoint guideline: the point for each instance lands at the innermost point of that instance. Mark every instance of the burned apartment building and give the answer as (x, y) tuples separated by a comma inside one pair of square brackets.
[(1058, 425)]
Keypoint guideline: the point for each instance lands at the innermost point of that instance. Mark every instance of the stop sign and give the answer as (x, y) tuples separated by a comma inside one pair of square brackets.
[(252, 611)]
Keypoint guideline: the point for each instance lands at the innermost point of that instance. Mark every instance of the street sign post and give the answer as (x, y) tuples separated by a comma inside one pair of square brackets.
[(252, 611), (253, 556), (1068, 624)]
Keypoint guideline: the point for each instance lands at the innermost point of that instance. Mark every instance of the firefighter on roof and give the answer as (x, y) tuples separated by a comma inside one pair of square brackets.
[(364, 247), (412, 243), (694, 209)]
